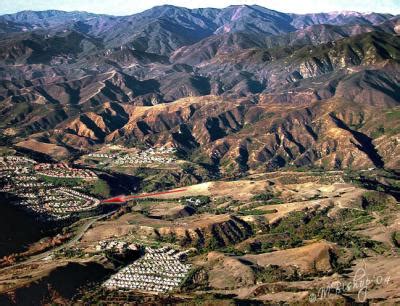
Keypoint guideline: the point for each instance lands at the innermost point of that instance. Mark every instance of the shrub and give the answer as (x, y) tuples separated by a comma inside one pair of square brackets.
[(101, 188), (256, 212), (376, 201), (262, 196), (396, 239)]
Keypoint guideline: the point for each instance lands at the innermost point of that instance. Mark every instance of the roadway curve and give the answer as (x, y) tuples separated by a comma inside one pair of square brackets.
[(79, 234), (124, 198), (90, 221)]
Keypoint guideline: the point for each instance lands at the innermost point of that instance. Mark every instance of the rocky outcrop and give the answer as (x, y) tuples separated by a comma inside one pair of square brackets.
[(211, 231)]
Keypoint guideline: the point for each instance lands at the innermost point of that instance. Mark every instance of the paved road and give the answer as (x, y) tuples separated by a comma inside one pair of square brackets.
[(82, 230), (79, 234), (124, 198)]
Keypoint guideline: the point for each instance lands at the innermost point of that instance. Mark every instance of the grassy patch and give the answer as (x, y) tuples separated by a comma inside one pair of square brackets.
[(262, 197), (376, 201), (100, 188), (274, 242), (256, 212), (396, 239), (4, 151), (378, 132), (393, 114), (354, 216), (392, 126), (300, 226), (274, 273), (63, 182)]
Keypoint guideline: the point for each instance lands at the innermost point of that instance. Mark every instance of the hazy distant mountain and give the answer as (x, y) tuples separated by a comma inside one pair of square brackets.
[(45, 19), (165, 28), (339, 18)]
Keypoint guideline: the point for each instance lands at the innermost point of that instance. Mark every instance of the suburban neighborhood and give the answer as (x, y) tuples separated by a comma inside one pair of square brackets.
[(159, 270), (31, 183), (162, 155)]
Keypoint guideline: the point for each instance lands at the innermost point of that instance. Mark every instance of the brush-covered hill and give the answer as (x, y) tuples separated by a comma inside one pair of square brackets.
[(239, 88)]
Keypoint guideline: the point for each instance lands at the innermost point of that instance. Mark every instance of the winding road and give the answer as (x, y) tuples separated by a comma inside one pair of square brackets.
[(84, 227), (124, 198), (78, 235)]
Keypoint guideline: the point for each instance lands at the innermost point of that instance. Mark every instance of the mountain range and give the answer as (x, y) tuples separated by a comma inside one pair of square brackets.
[(234, 89)]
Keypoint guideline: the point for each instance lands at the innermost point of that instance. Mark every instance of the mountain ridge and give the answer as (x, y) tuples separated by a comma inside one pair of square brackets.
[(91, 76)]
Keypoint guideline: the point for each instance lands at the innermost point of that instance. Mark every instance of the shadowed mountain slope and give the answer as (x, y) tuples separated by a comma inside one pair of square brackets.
[(238, 88)]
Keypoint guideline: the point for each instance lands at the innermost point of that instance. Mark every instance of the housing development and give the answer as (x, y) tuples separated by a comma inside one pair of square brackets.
[(37, 190), (159, 270), (150, 156), (63, 170)]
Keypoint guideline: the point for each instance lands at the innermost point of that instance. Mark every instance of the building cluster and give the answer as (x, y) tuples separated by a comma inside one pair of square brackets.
[(194, 202), (63, 170), (62, 201), (116, 246), (15, 163), (159, 270), (53, 203), (161, 155), (22, 177)]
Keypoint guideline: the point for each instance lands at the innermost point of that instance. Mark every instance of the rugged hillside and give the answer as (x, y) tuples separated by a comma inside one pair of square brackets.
[(45, 48), (45, 19), (239, 41), (224, 66), (163, 29), (237, 88), (338, 18), (240, 134)]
